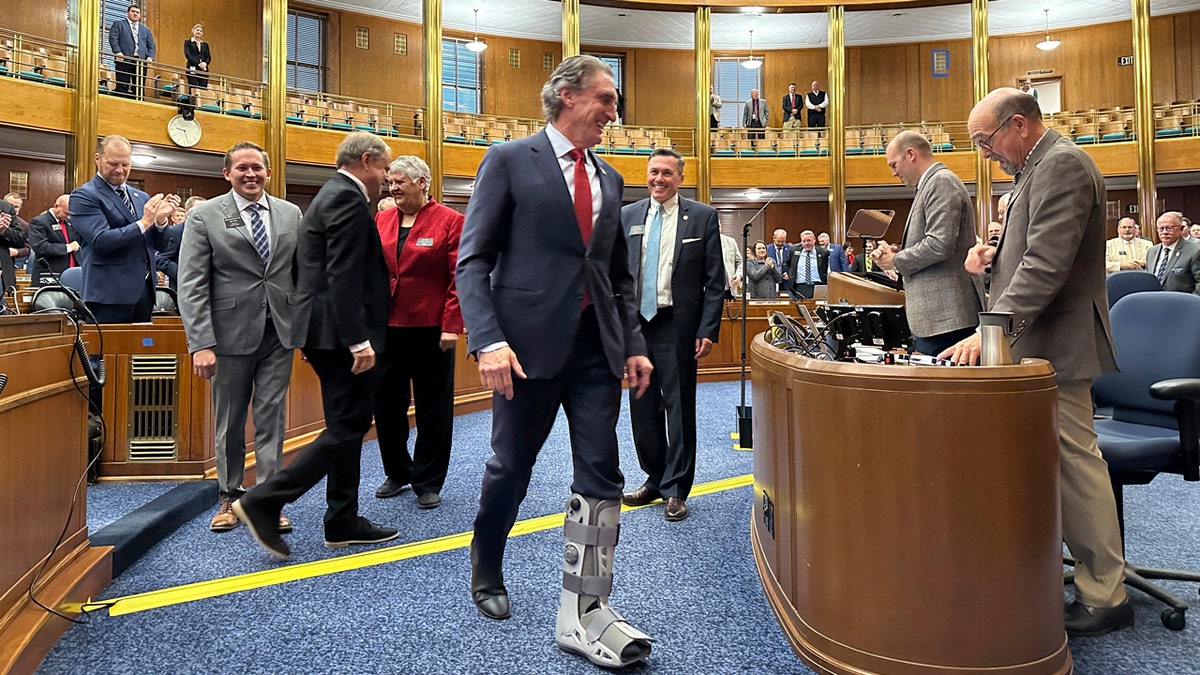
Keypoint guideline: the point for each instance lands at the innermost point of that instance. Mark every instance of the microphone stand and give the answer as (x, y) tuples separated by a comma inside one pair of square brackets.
[(745, 413)]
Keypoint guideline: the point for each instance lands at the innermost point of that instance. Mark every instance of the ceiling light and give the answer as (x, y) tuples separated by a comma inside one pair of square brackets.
[(476, 45), (1048, 44), (142, 158), (752, 63), (753, 194)]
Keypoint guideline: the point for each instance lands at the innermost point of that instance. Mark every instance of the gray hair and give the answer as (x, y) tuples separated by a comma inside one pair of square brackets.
[(1016, 102), (669, 152), (359, 143), (1173, 215), (571, 74), (412, 166)]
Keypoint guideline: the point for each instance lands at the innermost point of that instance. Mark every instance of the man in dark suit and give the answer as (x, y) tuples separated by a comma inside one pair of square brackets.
[(12, 237), (675, 248), (838, 262), (167, 260), (1174, 260), (781, 252), (130, 40), (809, 266), (53, 239), (548, 302), (121, 227), (1060, 313), (18, 255), (817, 103), (340, 321), (792, 104)]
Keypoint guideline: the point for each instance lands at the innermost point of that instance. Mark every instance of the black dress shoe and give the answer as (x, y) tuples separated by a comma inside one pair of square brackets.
[(429, 500), (675, 510), (390, 488), (1086, 621), (492, 603), (640, 497), (363, 532), (265, 528)]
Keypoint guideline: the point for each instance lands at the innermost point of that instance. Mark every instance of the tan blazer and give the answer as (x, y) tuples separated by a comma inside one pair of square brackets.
[(1115, 252)]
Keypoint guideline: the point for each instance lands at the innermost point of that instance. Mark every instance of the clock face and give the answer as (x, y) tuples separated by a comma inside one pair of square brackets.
[(183, 132)]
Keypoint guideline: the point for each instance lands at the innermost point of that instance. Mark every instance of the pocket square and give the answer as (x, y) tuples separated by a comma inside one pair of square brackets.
[(688, 241)]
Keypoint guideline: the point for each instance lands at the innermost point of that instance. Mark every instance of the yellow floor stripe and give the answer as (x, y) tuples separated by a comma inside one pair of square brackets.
[(175, 595)]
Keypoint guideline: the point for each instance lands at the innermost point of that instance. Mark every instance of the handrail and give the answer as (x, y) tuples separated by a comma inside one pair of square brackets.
[(346, 113), (624, 139), (37, 59)]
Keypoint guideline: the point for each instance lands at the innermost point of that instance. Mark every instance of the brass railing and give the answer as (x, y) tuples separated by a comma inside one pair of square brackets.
[(36, 59)]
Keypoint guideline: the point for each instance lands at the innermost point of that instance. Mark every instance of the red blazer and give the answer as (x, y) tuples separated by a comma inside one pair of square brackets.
[(421, 278)]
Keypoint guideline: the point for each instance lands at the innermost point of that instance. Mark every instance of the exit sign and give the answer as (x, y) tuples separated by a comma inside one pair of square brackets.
[(1124, 61)]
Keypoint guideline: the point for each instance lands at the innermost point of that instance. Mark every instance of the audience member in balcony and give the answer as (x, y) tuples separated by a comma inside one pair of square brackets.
[(120, 228), (1127, 250), (838, 260), (13, 237), (235, 296), (793, 103), (18, 255), (1174, 260), (198, 56), (420, 245), (756, 115), (762, 274), (167, 260), (54, 240), (130, 40), (817, 103), (714, 108)]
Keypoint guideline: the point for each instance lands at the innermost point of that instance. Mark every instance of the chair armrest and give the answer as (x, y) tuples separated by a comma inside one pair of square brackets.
[(1176, 390)]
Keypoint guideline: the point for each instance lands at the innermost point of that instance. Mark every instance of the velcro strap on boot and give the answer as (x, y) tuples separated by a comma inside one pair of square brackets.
[(600, 621), (591, 535), (590, 585)]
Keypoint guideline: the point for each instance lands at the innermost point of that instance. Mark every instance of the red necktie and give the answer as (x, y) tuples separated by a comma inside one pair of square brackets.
[(62, 225), (583, 207)]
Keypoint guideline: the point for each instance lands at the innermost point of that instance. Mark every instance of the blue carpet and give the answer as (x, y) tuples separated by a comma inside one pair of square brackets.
[(108, 501), (692, 585)]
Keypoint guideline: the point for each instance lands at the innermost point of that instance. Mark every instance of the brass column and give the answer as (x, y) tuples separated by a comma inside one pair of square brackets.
[(85, 109), (431, 21), (275, 26), (1143, 96), (979, 62), (703, 50), (570, 28), (836, 117)]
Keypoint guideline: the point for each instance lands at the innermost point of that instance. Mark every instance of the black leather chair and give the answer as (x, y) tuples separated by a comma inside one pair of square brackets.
[(51, 297), (1155, 400), (1120, 284), (165, 303)]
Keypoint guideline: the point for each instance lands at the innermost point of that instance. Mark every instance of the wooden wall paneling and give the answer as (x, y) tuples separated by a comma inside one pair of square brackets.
[(1162, 59), (883, 87), (802, 66), (1181, 48), (45, 182), (854, 96), (917, 80), (42, 19), (873, 169), (662, 86), (945, 99), (147, 123), (378, 72), (27, 104), (233, 31), (795, 217), (516, 92), (739, 172)]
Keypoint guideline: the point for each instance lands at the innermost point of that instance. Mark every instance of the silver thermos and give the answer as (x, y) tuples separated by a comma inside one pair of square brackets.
[(995, 330)]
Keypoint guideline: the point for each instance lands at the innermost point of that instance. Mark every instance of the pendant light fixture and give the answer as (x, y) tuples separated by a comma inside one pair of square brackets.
[(1048, 44), (752, 63), (476, 45)]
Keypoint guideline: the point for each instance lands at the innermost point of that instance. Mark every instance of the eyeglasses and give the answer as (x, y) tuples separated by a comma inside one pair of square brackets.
[(1168, 228), (986, 144)]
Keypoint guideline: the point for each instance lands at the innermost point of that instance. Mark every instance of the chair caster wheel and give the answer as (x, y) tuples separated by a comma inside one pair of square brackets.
[(1174, 619)]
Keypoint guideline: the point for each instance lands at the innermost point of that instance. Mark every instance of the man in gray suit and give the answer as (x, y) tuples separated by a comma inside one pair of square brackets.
[(756, 115), (235, 295), (1060, 313), (942, 300), (1174, 260)]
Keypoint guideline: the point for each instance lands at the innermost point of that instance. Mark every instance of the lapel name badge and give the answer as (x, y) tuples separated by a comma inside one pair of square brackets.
[(425, 242), (637, 230)]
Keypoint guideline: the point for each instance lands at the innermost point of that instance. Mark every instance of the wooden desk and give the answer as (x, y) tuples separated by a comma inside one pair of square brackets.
[(933, 547), (43, 453), (855, 290)]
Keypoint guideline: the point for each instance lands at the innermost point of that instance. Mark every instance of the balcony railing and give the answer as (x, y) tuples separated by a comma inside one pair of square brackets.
[(36, 59), (340, 113), (485, 130)]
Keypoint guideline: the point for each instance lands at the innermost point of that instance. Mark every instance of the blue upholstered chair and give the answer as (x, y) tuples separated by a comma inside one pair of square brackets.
[(1121, 284)]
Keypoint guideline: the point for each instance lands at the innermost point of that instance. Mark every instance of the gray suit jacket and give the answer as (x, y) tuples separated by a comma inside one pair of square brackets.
[(940, 296), (224, 290), (1183, 269), (764, 112), (1049, 265)]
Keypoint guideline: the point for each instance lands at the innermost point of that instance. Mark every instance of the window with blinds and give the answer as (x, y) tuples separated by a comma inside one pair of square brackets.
[(307, 37), (733, 83), (462, 79), (617, 63), (110, 11)]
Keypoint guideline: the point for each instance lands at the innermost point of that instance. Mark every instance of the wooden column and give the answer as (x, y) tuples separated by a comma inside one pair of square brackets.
[(570, 28), (703, 51), (1143, 96), (275, 30), (431, 22), (85, 110), (979, 61), (836, 117)]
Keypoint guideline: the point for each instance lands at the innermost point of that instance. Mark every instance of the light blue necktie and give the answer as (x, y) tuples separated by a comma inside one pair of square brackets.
[(650, 266), (258, 232)]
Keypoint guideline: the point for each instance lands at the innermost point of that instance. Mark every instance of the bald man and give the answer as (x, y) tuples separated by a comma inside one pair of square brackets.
[(755, 115), (1126, 251)]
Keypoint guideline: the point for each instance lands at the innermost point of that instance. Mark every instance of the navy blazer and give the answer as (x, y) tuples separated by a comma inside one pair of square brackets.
[(167, 260), (698, 271), (46, 240), (522, 264), (120, 39), (119, 255)]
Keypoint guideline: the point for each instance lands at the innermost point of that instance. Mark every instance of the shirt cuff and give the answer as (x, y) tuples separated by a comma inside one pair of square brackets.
[(493, 347), (354, 349)]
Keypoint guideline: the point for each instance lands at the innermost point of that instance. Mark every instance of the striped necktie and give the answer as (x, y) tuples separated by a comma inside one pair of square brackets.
[(1161, 273), (258, 232), (124, 192)]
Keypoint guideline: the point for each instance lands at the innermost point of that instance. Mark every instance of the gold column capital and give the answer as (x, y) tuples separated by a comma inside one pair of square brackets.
[(703, 50), (570, 28), (431, 22)]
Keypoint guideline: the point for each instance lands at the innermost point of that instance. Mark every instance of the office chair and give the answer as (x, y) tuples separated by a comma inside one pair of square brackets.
[(72, 278), (1156, 403), (51, 297), (165, 303), (1120, 284)]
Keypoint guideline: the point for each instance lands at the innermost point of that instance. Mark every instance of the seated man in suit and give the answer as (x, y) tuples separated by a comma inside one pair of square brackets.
[(838, 262), (1174, 260), (1127, 250), (53, 239), (809, 266)]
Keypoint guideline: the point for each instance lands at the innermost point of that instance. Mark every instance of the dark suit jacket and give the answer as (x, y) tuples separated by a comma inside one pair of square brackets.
[(796, 266), (167, 260), (698, 273), (120, 39), (1183, 269), (46, 240), (787, 106), (341, 279), (12, 237), (194, 55), (837, 259), (119, 253), (522, 264), (781, 262)]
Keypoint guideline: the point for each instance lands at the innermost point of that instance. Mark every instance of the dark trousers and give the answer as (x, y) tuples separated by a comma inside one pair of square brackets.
[(139, 312), (755, 129), (936, 344), (336, 452), (713, 122), (591, 397), (816, 119), (664, 418), (415, 362), (802, 291), (129, 76)]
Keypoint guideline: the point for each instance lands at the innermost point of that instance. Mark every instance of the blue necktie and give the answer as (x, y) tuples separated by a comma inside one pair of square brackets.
[(128, 202), (259, 233), (650, 266)]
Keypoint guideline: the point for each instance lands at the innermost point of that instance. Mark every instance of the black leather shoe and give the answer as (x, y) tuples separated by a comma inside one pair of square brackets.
[(429, 500), (363, 532), (640, 497), (390, 488), (265, 528), (675, 510), (1086, 621), (492, 603)]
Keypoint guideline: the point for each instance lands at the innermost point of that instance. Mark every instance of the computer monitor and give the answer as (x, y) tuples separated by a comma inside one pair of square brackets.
[(880, 326)]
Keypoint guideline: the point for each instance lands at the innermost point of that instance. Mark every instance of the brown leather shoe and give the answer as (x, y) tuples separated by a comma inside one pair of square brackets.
[(675, 510), (226, 519), (639, 497), (285, 525)]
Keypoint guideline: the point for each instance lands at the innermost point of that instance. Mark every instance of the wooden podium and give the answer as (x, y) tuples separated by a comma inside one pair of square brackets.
[(906, 518)]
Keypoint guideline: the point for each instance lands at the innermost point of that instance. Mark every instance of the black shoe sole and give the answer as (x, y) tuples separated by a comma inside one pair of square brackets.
[(281, 553), (348, 542)]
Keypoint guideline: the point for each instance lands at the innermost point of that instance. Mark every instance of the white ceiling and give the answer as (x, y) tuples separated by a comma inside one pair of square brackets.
[(608, 26)]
